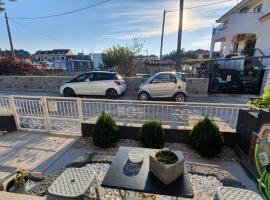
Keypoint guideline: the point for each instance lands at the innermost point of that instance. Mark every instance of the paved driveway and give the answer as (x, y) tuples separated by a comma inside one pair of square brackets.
[(31, 150)]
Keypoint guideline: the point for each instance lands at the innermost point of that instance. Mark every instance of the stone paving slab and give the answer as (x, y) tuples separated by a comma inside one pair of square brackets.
[(13, 196), (34, 151)]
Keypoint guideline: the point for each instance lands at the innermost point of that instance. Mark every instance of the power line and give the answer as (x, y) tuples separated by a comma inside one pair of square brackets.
[(42, 34), (64, 13), (200, 6)]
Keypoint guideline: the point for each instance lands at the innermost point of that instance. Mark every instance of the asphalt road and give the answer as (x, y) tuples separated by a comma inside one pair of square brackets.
[(212, 98)]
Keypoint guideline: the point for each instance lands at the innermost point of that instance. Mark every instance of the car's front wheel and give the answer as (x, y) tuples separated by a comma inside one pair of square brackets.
[(111, 94), (180, 97), (143, 96), (68, 92)]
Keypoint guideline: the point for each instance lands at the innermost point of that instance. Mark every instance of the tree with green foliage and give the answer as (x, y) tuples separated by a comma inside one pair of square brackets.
[(122, 58), (264, 101), (2, 3), (2, 9), (185, 54)]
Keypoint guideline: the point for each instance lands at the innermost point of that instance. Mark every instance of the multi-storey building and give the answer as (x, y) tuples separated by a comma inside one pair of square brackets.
[(52, 55), (244, 30)]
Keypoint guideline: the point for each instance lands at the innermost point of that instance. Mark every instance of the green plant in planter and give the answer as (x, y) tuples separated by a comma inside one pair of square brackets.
[(20, 178), (166, 157), (264, 101), (206, 138), (105, 132), (152, 135)]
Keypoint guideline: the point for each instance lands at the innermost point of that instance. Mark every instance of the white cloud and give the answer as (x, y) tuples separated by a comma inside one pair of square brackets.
[(146, 21), (200, 43)]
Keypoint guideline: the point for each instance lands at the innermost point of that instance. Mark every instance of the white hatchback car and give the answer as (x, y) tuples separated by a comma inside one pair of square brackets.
[(164, 85), (108, 84)]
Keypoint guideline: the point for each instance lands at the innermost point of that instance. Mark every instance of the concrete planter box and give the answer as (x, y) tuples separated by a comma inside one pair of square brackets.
[(249, 122), (132, 132), (167, 173)]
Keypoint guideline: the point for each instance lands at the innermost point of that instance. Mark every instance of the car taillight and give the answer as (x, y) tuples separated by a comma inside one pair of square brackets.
[(118, 82)]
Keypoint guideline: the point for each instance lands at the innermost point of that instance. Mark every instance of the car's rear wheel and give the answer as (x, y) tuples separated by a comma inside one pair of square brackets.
[(68, 92), (143, 96), (111, 94), (180, 97)]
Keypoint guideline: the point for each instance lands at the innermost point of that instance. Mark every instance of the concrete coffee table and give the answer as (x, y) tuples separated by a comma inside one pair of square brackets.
[(126, 176), (73, 183)]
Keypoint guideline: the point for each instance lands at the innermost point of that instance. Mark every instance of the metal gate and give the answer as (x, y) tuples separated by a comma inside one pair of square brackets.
[(46, 114)]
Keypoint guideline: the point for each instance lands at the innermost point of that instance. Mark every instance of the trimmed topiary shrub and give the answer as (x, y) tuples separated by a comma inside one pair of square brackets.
[(152, 135), (206, 138), (105, 132)]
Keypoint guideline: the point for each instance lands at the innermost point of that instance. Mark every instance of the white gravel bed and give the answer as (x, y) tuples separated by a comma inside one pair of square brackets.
[(226, 154), (203, 186)]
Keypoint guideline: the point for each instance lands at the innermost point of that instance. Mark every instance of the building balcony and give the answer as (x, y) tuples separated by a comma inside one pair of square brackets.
[(238, 23), (220, 32)]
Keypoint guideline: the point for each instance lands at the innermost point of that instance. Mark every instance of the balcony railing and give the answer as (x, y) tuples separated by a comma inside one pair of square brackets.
[(219, 28), (248, 52)]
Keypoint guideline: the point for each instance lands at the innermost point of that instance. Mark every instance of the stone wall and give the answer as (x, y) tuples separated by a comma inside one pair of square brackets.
[(195, 86), (50, 83)]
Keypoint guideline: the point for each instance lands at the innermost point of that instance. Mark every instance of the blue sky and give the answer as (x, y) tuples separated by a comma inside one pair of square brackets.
[(116, 22)]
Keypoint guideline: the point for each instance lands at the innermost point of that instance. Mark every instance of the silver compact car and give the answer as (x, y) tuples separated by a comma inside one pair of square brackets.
[(164, 85)]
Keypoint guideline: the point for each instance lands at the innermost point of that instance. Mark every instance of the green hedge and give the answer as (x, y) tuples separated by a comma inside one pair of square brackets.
[(152, 135), (206, 138), (105, 132)]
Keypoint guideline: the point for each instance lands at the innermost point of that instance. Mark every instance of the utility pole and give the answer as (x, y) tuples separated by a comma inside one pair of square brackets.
[(179, 43), (147, 54), (162, 35), (10, 38)]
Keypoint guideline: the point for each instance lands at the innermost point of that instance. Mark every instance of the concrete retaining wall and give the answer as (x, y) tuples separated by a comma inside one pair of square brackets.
[(195, 86), (171, 134), (249, 122)]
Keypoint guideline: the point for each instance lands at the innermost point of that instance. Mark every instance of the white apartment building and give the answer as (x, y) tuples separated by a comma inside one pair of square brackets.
[(52, 55), (97, 60), (56, 56), (244, 30)]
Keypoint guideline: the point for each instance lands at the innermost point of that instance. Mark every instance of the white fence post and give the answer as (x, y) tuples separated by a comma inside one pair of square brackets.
[(14, 111), (46, 113), (80, 112)]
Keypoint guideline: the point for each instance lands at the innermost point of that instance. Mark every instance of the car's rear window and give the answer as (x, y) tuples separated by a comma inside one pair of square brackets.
[(106, 76)]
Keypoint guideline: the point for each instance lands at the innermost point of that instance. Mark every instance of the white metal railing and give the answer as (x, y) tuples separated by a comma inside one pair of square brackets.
[(4, 105), (58, 114)]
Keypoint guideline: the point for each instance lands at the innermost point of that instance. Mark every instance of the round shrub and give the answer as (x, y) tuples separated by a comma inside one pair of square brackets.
[(105, 132), (152, 135), (206, 138)]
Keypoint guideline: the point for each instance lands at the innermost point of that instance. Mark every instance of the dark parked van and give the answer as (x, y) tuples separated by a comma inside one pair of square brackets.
[(236, 74)]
